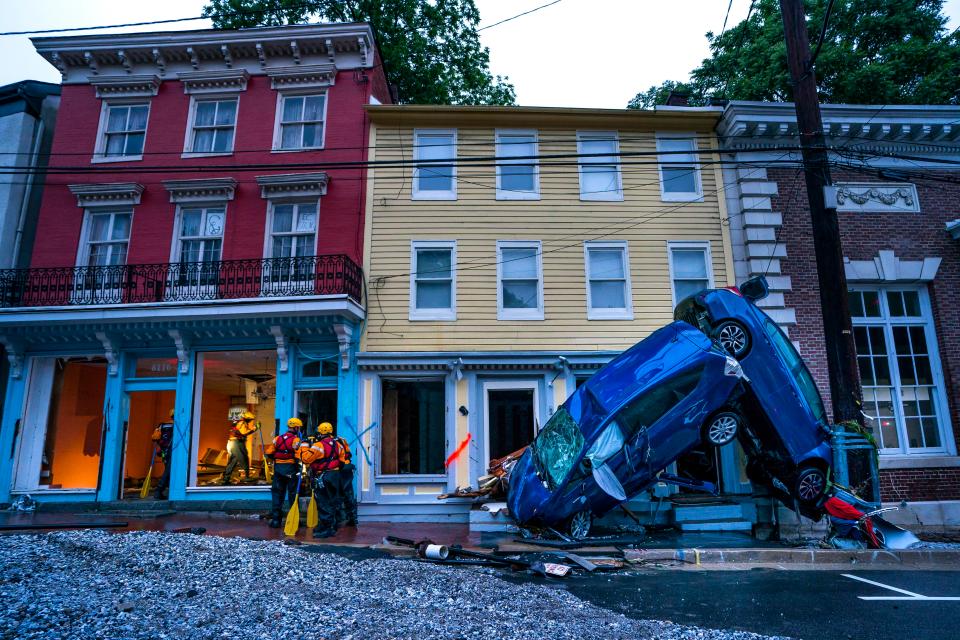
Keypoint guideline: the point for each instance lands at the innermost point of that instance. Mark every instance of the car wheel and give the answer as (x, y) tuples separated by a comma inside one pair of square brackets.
[(721, 429), (810, 484), (579, 525), (733, 337)]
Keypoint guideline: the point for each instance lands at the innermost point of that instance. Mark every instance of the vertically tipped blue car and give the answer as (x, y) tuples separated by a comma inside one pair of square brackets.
[(608, 441)]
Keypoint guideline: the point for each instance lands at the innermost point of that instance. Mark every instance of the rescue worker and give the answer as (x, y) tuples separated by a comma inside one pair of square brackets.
[(163, 440), (286, 468), (241, 429), (322, 459), (346, 498)]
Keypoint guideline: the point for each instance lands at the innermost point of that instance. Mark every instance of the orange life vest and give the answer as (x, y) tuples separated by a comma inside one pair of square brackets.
[(322, 455)]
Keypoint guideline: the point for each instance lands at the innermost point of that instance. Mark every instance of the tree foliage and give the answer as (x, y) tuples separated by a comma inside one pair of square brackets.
[(874, 52), (430, 49)]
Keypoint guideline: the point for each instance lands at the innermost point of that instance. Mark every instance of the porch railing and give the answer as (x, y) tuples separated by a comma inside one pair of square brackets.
[(181, 282)]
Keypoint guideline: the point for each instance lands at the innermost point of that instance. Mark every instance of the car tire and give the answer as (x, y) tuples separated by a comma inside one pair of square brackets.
[(810, 484), (578, 526), (733, 337), (721, 429)]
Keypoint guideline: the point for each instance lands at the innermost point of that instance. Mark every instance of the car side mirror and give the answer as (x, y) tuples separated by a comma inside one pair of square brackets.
[(755, 288), (605, 478)]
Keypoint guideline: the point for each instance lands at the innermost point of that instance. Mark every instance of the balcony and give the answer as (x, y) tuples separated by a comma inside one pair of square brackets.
[(331, 275)]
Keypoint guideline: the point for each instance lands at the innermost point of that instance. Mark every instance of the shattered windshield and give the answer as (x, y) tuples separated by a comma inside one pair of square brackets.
[(558, 446)]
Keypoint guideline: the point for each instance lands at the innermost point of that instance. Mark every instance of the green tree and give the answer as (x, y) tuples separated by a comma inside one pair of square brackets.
[(658, 95), (430, 49), (874, 52)]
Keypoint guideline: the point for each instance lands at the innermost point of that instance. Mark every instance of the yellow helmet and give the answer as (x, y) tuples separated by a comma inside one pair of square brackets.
[(325, 429), (295, 423), (249, 416)]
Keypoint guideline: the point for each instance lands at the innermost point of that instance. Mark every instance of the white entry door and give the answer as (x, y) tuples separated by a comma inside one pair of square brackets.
[(511, 416), (33, 426)]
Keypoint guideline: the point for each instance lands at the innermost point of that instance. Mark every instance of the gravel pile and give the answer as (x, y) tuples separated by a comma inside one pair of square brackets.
[(90, 584)]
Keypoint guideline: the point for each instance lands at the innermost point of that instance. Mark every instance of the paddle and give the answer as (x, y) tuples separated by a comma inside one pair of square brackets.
[(292, 524), (267, 471), (145, 489), (313, 515)]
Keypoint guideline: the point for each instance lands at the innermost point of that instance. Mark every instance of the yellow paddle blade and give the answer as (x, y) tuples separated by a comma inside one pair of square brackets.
[(293, 519), (267, 471), (145, 489), (313, 516)]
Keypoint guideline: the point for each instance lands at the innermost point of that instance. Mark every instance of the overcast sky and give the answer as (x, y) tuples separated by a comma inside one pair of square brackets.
[(576, 53)]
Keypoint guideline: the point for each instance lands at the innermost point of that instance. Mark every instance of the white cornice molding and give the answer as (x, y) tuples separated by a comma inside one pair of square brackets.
[(203, 190), (315, 76), (107, 194), (216, 81), (887, 267), (293, 185), (130, 86)]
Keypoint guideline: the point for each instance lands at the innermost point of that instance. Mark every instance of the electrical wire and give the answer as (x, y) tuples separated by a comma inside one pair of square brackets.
[(519, 15), (823, 33)]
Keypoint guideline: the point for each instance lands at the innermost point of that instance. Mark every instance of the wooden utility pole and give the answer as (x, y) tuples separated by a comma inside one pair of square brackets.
[(841, 353)]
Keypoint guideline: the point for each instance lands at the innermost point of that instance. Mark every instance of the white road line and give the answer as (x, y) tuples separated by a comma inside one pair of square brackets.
[(910, 595)]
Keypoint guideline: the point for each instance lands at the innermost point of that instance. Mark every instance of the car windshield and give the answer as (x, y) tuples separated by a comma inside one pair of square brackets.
[(797, 369), (558, 446)]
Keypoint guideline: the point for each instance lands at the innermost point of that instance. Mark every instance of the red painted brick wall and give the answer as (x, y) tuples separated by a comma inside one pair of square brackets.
[(341, 210), (911, 237)]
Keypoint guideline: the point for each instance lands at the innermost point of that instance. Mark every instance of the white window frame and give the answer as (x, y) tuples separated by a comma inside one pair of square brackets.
[(268, 230), (703, 245), (623, 313), (81, 287), (519, 314), (377, 409), (174, 283), (450, 313), (277, 121), (948, 446), (680, 196), (605, 196), (188, 151), (100, 149), (510, 194), (416, 193)]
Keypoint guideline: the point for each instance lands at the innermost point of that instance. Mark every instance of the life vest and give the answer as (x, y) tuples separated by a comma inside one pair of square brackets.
[(163, 435), (240, 430), (344, 452), (322, 455), (284, 447)]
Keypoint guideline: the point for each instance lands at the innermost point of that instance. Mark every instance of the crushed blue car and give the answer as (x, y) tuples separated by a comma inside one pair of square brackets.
[(624, 426), (787, 436)]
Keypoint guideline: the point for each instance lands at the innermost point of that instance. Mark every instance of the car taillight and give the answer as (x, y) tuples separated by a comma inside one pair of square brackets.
[(734, 290)]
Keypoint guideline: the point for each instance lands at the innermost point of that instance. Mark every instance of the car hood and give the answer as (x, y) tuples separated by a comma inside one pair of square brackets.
[(526, 494)]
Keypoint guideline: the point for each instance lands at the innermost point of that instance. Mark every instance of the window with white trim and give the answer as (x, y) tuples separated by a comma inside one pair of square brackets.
[(517, 172), (600, 171), (433, 283), (213, 123), (293, 230), (519, 280), (690, 270), (608, 281), (107, 238), (123, 131), (198, 247), (300, 122), (435, 179), (903, 388), (679, 169)]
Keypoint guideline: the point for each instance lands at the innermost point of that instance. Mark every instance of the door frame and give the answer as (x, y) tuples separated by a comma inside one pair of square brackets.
[(32, 436), (502, 385), (140, 386)]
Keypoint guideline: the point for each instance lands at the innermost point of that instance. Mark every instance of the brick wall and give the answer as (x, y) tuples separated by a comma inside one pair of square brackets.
[(911, 236)]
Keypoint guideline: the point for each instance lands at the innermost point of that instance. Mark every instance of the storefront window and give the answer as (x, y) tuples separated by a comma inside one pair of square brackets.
[(63, 424), (229, 384), (412, 431)]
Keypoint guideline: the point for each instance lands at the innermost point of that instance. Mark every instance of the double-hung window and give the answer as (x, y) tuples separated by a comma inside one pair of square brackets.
[(293, 245), (608, 281), (679, 169), (517, 174), (903, 387), (198, 247), (213, 124), (433, 283), (103, 252), (519, 280), (690, 270), (434, 176), (599, 165), (300, 122), (123, 130)]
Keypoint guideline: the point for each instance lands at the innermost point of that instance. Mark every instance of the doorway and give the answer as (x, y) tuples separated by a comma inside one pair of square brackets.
[(143, 465), (510, 411), (315, 406)]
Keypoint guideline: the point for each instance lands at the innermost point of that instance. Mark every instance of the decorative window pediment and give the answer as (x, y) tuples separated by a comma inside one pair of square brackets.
[(887, 267), (315, 76), (206, 190), (293, 185), (876, 197), (107, 194), (128, 86), (220, 81)]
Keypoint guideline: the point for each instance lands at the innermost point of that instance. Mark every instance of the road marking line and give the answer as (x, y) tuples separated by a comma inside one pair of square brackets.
[(885, 586), (910, 595)]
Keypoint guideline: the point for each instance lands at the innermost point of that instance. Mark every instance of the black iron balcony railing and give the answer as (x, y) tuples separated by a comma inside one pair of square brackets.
[(181, 282)]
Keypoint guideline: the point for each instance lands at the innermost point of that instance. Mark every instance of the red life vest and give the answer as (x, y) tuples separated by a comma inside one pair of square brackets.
[(285, 446), (331, 455)]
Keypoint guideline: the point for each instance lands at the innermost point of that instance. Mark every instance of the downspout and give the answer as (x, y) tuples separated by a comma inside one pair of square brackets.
[(27, 192)]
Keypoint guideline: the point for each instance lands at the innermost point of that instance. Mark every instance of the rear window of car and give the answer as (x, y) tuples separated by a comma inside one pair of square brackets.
[(797, 369), (649, 407)]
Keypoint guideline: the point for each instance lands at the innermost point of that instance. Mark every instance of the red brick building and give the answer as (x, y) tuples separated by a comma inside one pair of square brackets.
[(897, 175)]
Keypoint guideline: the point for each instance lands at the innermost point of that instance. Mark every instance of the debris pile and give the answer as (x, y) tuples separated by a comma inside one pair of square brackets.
[(492, 486)]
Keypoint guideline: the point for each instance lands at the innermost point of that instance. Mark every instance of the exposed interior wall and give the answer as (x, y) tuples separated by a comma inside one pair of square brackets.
[(74, 426)]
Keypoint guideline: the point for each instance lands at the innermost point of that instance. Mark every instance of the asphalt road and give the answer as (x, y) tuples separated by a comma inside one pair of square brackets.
[(808, 605)]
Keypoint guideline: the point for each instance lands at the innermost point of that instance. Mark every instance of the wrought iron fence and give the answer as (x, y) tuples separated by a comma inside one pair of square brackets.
[(181, 281)]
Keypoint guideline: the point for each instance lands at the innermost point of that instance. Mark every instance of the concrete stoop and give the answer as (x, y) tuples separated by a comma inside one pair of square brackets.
[(711, 517), (491, 517)]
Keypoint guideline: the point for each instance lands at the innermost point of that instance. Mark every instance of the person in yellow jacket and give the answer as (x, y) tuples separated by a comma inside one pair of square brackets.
[(241, 429), (323, 460), (286, 468)]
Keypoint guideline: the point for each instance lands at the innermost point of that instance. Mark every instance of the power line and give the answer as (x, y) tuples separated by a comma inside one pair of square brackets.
[(823, 32), (519, 15), (725, 18)]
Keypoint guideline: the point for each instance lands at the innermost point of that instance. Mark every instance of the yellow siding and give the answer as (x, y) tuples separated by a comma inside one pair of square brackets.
[(476, 220)]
